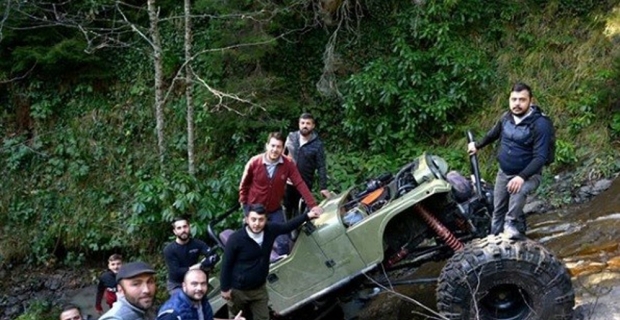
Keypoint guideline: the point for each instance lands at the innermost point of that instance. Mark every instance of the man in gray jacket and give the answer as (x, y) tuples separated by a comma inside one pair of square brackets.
[(136, 283), (305, 149)]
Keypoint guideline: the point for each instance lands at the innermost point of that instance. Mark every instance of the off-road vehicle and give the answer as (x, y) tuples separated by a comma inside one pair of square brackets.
[(419, 214)]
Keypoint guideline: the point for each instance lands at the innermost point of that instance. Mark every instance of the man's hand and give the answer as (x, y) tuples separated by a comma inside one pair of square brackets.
[(226, 295), (238, 316), (515, 184), (326, 193), (471, 148), (195, 267), (315, 212)]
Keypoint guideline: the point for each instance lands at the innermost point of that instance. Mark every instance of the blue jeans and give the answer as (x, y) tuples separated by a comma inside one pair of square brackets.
[(508, 208)]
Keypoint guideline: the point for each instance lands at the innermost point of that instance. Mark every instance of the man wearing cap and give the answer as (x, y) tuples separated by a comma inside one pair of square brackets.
[(246, 261), (136, 283), (190, 303)]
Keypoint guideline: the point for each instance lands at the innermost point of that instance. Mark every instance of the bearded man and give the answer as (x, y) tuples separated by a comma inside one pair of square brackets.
[(137, 288), (183, 253), (246, 261), (305, 149), (190, 303)]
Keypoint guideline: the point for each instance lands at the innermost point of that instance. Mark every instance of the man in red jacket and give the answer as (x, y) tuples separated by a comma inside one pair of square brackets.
[(264, 181)]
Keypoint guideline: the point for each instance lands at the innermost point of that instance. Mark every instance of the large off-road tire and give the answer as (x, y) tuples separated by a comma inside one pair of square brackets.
[(501, 279)]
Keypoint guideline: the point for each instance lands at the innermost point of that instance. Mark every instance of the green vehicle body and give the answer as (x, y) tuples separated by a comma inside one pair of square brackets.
[(399, 221), (330, 253)]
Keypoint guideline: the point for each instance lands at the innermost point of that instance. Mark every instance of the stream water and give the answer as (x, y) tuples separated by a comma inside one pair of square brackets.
[(586, 238)]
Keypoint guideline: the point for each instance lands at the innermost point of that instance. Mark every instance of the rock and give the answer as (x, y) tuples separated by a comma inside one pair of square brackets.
[(585, 192), (53, 284), (584, 267), (614, 264), (536, 206), (13, 311), (601, 186)]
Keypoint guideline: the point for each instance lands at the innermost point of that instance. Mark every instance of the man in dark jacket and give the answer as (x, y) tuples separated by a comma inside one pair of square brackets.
[(183, 253), (525, 137), (190, 303), (264, 181), (246, 261), (305, 149), (107, 283)]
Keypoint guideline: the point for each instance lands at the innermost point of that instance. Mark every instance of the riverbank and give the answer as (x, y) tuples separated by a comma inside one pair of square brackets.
[(584, 236)]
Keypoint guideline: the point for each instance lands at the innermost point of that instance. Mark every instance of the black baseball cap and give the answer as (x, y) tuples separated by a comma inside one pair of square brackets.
[(133, 269)]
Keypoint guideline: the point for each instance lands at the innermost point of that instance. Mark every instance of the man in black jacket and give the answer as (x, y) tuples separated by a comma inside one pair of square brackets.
[(245, 265), (183, 253), (305, 149), (525, 136)]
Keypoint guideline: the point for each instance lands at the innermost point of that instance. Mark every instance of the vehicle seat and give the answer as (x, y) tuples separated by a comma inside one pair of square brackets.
[(461, 186), (224, 235)]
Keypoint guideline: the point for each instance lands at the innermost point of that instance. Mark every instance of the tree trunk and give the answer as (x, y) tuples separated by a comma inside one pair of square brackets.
[(159, 82), (189, 90)]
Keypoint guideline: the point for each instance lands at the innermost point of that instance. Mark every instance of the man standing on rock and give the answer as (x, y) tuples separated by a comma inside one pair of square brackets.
[(525, 136), (190, 303), (137, 288), (305, 149), (182, 254)]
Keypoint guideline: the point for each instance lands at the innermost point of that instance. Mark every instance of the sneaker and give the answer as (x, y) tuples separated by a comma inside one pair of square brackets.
[(512, 233)]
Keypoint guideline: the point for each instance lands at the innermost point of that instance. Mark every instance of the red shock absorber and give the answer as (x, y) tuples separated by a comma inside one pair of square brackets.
[(439, 228), (461, 224), (400, 255)]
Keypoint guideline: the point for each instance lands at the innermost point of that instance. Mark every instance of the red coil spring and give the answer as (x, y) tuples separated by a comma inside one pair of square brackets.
[(461, 224), (439, 228)]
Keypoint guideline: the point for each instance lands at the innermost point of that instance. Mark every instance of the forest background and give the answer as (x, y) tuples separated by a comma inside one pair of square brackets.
[(117, 116)]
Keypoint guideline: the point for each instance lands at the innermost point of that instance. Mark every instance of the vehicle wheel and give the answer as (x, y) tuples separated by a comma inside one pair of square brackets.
[(500, 279)]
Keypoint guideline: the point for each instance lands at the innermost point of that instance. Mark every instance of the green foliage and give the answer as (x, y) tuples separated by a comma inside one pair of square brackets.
[(82, 176), (565, 153), (431, 72), (615, 124), (39, 310)]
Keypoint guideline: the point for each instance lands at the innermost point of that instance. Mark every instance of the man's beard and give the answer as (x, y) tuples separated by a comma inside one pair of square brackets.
[(183, 236), (136, 302), (305, 132), (193, 297)]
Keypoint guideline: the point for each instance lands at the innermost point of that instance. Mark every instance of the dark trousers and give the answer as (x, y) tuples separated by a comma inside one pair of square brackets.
[(256, 301), (292, 203), (508, 212)]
